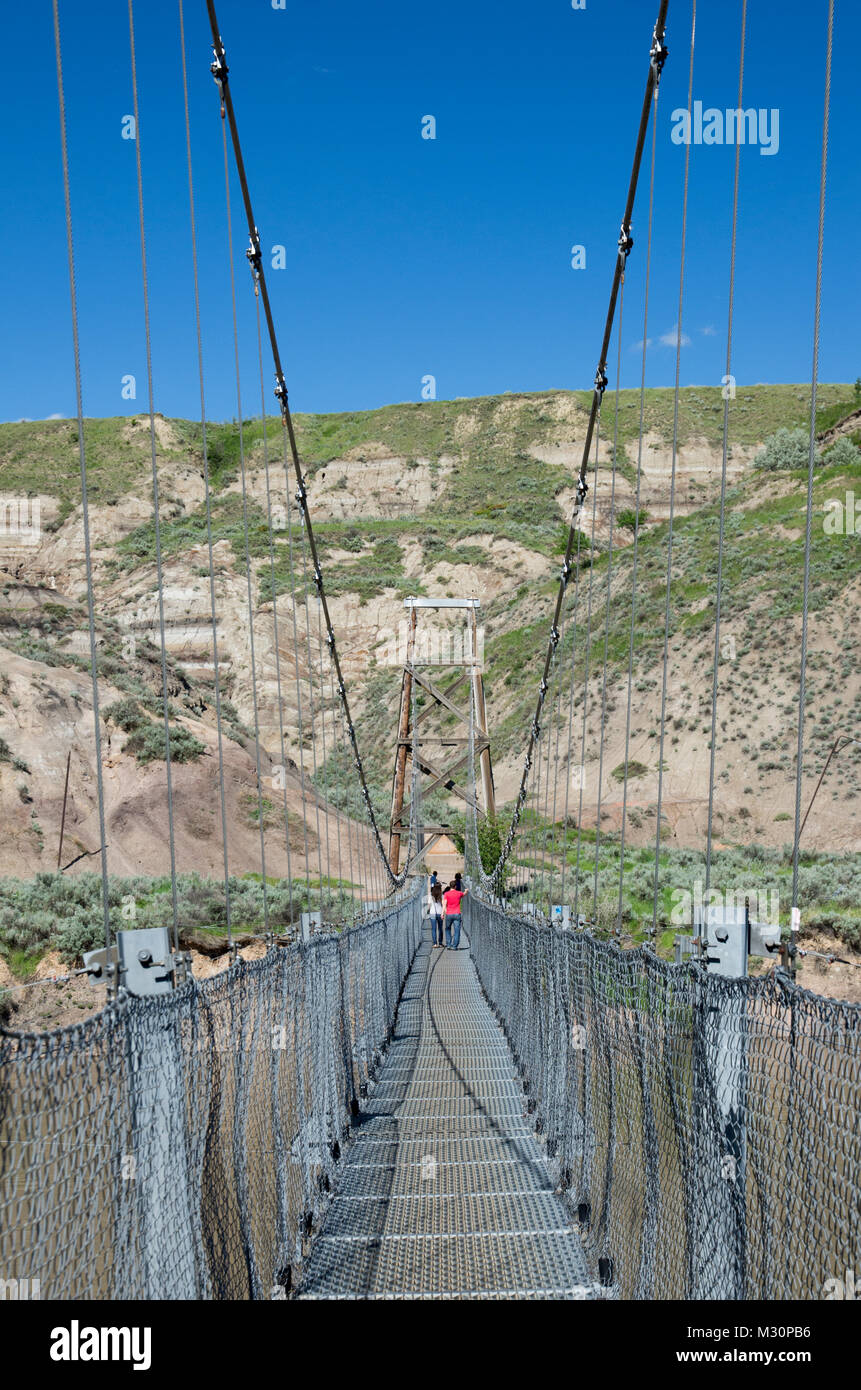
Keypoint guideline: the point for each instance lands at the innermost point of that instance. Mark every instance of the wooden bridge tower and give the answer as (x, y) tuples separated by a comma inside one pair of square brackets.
[(440, 756)]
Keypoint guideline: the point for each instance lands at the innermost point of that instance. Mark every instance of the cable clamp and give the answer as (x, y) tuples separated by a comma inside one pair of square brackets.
[(302, 494), (527, 762), (542, 688), (554, 637), (582, 489), (318, 578), (601, 382), (281, 394), (658, 53), (255, 256), (626, 241), (565, 573), (219, 68)]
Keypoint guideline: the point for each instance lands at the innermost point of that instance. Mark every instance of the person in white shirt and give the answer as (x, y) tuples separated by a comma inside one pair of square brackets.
[(436, 912)]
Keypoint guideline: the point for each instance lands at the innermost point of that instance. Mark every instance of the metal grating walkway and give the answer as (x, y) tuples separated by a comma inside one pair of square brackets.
[(445, 1192)]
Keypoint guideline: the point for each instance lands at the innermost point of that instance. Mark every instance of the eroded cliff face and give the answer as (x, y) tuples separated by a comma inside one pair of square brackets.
[(450, 520)]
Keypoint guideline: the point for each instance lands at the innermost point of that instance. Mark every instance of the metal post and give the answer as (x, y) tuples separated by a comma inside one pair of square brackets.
[(725, 933)]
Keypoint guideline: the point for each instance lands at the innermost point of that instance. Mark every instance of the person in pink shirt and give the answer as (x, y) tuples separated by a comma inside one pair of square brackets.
[(453, 920)]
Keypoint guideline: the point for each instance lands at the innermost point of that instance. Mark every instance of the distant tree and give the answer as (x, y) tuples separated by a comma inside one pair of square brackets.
[(489, 841), (631, 519)]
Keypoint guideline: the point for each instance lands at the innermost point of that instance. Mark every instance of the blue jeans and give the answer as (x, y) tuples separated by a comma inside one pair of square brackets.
[(452, 930), (436, 929)]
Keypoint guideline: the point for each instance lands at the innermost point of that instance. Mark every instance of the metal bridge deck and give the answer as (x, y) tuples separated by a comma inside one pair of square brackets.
[(445, 1192)]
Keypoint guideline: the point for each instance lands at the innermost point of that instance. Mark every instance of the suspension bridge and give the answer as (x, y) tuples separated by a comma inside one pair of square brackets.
[(547, 1112)]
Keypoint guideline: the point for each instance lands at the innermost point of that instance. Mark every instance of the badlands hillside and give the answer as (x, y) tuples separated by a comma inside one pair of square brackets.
[(443, 498)]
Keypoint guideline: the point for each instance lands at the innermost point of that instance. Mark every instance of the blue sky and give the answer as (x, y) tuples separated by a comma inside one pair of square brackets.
[(404, 256)]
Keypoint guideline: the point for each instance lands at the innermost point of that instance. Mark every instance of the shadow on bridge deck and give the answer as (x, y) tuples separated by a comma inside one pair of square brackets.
[(445, 1191)]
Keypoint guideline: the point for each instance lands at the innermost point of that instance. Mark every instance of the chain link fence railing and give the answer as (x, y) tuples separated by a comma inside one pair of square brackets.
[(708, 1130), (181, 1146)]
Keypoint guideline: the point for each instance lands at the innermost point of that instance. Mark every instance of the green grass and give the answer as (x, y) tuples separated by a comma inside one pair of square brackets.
[(181, 534)]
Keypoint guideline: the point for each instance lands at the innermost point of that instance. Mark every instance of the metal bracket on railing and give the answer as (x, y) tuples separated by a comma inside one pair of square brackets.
[(307, 922), (101, 965), (140, 960)]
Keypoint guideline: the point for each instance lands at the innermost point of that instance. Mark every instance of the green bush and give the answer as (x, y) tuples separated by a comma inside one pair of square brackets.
[(842, 454), (126, 714), (146, 739), (635, 769), (148, 744), (785, 449)]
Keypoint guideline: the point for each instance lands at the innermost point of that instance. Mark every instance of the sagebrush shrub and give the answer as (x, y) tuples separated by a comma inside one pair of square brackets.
[(785, 449), (842, 454)]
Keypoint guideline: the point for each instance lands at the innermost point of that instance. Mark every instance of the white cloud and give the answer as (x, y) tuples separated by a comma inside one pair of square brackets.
[(672, 338), (709, 331), (55, 416), (638, 347)]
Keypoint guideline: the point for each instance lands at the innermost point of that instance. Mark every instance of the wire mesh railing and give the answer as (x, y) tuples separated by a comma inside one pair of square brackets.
[(706, 1129), (181, 1146)]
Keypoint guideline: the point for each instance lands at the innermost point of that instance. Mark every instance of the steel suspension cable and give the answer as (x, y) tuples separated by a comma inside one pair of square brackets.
[(85, 503), (558, 722), (334, 699), (220, 71), (275, 632), (635, 549), (324, 760), (536, 815), (243, 483), (206, 486), (547, 740), (312, 719), (549, 844), (568, 774), (814, 381), (673, 479), (587, 662), (609, 587), (291, 569), (724, 457), (657, 57), (155, 492)]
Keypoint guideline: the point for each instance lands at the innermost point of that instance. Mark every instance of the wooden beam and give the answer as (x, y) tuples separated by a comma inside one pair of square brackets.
[(440, 698)]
